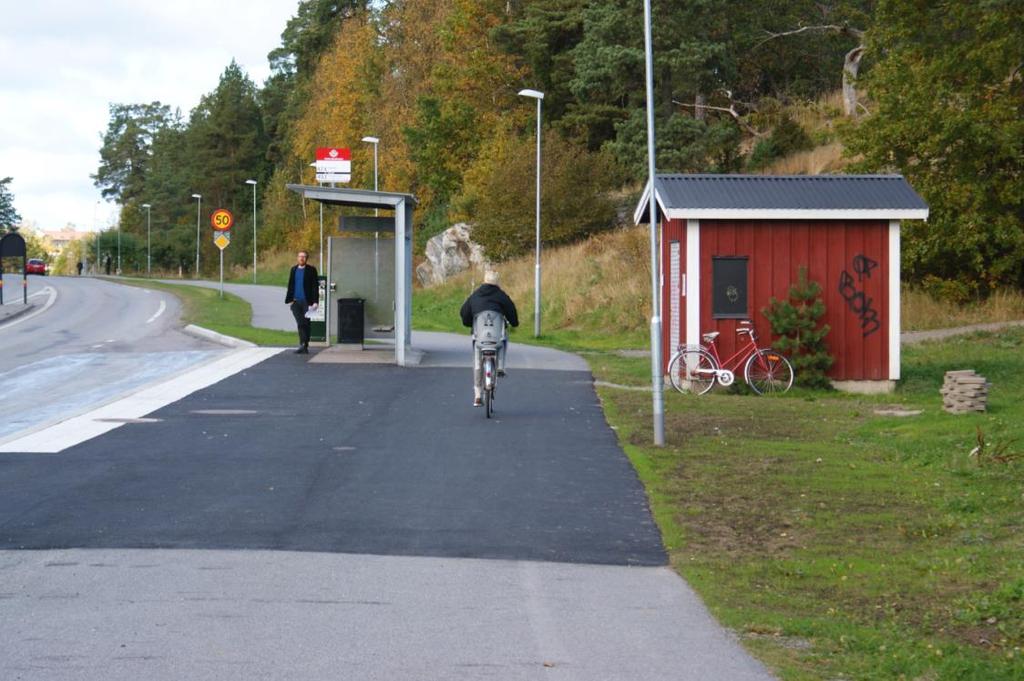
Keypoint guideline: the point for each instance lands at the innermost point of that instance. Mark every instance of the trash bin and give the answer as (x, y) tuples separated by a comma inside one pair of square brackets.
[(350, 320)]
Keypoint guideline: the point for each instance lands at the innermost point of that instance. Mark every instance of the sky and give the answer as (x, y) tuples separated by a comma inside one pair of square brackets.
[(62, 64)]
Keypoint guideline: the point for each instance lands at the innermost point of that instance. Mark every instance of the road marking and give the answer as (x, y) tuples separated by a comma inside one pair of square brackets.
[(86, 426), (163, 306), (44, 308)]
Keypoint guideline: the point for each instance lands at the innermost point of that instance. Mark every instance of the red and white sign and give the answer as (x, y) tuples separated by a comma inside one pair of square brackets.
[(333, 164), (333, 154)]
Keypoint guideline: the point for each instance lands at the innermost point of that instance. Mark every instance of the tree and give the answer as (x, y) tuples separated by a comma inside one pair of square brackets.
[(127, 148), (948, 90), (8, 216), (499, 193), (801, 336)]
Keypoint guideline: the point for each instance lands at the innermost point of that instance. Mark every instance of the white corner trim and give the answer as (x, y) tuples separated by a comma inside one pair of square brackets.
[(894, 300), (793, 214), (641, 211), (692, 282)]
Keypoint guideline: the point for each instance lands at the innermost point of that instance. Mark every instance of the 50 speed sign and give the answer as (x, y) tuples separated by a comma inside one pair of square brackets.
[(222, 219)]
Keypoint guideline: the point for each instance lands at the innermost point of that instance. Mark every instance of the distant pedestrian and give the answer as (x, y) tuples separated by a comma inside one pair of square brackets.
[(303, 294), (106, 264), (79, 266)]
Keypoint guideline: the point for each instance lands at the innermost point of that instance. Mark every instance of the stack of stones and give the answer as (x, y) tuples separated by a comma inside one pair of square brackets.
[(964, 391)]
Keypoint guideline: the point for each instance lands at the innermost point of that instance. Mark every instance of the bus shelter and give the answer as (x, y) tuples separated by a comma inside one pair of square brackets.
[(371, 261)]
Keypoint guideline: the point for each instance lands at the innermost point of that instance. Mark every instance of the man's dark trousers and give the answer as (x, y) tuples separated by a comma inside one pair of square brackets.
[(299, 308)]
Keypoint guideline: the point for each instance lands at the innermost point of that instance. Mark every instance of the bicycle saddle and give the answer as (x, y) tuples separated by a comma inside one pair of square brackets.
[(708, 337)]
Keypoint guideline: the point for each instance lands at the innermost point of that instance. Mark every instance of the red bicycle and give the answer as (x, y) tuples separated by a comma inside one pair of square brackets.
[(696, 369)]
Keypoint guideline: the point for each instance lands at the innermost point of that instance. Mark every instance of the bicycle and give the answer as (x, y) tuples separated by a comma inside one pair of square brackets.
[(696, 369), (489, 335)]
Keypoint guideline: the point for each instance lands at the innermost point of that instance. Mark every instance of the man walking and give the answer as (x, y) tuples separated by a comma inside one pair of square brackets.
[(303, 293)]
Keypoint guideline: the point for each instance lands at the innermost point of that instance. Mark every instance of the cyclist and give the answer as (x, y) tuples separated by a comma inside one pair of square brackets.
[(488, 296)]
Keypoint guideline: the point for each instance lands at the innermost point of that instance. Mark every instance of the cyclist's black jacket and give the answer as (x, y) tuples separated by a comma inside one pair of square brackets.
[(488, 297)]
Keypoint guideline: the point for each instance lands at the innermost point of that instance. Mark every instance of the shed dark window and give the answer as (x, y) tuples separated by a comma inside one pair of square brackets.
[(729, 288)]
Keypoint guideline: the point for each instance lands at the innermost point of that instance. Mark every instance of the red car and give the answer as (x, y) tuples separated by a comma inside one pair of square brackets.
[(35, 266)]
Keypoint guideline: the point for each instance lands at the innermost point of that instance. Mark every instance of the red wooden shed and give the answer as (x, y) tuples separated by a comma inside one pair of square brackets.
[(731, 242)]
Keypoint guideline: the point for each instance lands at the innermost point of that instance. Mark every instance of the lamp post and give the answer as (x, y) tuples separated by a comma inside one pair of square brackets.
[(539, 96), (253, 183), (149, 250), (657, 374), (96, 228), (374, 141), (199, 208), (118, 272)]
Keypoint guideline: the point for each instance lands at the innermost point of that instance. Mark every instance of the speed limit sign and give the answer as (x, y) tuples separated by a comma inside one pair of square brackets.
[(222, 219)]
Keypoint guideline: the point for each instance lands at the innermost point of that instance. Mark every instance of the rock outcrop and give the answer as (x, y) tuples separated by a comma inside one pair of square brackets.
[(450, 252)]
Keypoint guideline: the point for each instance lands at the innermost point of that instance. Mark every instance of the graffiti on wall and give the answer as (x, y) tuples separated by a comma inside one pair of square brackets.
[(856, 299)]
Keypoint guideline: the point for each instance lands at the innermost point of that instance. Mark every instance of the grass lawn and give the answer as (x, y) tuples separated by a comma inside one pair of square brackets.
[(229, 315), (843, 544)]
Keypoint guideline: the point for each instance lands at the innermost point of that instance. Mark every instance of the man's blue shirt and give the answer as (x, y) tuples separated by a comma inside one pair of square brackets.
[(300, 289)]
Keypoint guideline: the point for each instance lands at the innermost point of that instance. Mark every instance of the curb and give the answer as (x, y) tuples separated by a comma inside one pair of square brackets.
[(16, 313), (213, 336)]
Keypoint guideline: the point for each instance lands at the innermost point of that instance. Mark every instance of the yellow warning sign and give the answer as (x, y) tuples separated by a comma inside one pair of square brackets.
[(222, 240)]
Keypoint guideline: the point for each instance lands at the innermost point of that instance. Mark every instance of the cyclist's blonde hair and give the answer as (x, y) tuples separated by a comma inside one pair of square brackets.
[(491, 277)]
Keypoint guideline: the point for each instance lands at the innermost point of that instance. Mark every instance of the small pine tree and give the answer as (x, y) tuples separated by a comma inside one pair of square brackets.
[(801, 337)]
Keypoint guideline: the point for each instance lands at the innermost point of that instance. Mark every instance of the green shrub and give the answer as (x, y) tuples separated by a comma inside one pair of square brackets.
[(801, 336)]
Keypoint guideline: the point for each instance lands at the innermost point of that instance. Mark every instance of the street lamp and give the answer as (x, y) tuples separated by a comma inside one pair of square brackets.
[(657, 375), (374, 141), (96, 228), (199, 208), (149, 251), (539, 96), (253, 183)]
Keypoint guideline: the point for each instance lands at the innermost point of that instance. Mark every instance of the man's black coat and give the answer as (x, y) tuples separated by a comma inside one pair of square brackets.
[(488, 297), (310, 285)]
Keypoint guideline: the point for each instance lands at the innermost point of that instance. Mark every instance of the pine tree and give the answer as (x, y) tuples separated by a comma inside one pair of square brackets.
[(801, 336)]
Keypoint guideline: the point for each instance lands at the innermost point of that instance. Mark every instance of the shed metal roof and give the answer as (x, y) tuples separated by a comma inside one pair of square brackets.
[(852, 197)]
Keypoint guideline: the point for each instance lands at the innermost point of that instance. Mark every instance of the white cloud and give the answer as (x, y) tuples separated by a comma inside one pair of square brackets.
[(65, 62)]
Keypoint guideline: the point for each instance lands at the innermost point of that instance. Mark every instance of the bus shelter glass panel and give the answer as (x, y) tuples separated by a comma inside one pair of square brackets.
[(363, 266)]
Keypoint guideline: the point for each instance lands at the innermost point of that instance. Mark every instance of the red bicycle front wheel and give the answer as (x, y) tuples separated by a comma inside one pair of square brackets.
[(768, 372)]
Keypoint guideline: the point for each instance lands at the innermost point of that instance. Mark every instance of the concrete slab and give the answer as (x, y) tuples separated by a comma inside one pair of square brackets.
[(225, 615)]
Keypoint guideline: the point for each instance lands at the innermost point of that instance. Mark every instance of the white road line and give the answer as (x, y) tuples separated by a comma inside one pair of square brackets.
[(86, 426), (163, 306), (44, 308)]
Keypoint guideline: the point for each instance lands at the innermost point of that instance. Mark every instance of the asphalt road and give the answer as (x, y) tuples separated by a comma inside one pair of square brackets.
[(85, 342)]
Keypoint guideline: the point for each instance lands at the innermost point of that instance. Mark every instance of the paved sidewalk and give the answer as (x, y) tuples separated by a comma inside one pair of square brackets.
[(439, 349)]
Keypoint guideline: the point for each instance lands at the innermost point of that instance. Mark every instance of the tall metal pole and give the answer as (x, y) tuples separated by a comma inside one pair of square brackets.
[(657, 380), (536, 274), (253, 183), (321, 269), (199, 208), (536, 94), (118, 246), (149, 242)]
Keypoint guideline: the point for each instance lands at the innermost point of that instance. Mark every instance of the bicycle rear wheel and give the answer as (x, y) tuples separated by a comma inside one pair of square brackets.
[(692, 371), (767, 372), (489, 379)]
